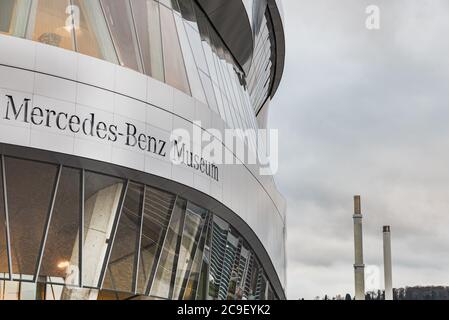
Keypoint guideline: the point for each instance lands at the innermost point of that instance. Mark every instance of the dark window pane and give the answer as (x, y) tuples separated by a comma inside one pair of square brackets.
[(6, 11), (119, 19), (51, 22), (170, 4), (102, 196), (188, 13), (121, 267), (60, 261), (166, 271), (29, 186), (175, 72), (14, 16), (92, 34), (146, 16)]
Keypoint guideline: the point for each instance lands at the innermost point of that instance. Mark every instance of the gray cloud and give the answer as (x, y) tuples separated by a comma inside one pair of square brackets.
[(364, 112)]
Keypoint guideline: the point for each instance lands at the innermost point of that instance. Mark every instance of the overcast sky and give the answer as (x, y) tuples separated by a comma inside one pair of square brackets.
[(364, 112)]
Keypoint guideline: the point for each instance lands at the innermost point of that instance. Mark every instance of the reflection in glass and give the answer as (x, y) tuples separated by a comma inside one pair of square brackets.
[(209, 89), (193, 228), (255, 279), (203, 281), (122, 262), (187, 13), (51, 22), (14, 16), (102, 196), (219, 238), (175, 72), (192, 283), (60, 261), (195, 42), (158, 207), (166, 271), (146, 17), (119, 19), (29, 186), (191, 68), (185, 252), (92, 34), (239, 274)]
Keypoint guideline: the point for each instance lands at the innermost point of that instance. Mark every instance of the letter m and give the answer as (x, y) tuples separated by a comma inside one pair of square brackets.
[(11, 106)]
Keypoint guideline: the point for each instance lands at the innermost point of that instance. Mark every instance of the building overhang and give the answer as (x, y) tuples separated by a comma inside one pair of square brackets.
[(230, 19), (276, 13)]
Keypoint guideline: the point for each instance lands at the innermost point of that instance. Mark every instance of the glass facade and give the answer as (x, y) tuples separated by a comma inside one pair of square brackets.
[(69, 233), (262, 71), (171, 40)]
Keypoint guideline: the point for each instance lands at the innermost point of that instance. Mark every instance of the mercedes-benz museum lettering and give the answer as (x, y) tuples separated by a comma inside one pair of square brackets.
[(92, 203)]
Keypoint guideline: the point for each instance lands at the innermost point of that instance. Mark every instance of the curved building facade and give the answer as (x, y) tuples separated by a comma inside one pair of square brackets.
[(97, 98)]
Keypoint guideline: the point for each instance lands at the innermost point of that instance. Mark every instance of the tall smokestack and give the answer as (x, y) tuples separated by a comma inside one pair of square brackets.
[(359, 267), (387, 263)]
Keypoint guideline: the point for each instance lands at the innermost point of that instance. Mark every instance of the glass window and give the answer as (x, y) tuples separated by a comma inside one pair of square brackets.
[(239, 274), (121, 270), (188, 13), (14, 16), (9, 290), (158, 207), (4, 269), (225, 246), (170, 4), (29, 186), (60, 262), (197, 264), (119, 18), (51, 22), (219, 238), (203, 277), (255, 280), (101, 201), (192, 71), (175, 72), (165, 276), (193, 228), (146, 17), (198, 53), (92, 34), (210, 93)]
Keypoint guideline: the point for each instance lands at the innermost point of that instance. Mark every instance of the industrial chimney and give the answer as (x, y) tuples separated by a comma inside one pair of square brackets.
[(387, 263), (359, 267)]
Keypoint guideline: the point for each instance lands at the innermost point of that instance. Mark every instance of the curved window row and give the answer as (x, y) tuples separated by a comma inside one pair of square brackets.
[(70, 234), (169, 40), (261, 73)]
